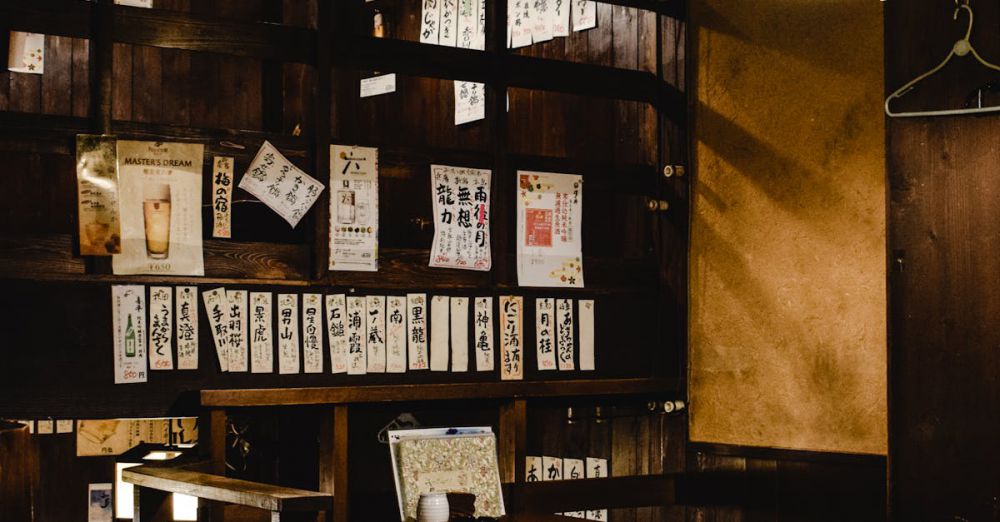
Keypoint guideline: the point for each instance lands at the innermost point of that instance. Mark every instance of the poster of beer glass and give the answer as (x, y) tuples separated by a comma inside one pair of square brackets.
[(160, 190)]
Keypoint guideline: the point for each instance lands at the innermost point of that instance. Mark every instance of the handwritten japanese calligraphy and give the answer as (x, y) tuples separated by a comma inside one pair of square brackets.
[(336, 333), (416, 325), (128, 316), (312, 326), (430, 18), (288, 333), (466, 32), (459, 322), (222, 196), (552, 468), (353, 208), (261, 333), (215, 306), (237, 329), (461, 198), (564, 333), (395, 335), (470, 102), (161, 327), (584, 14), (357, 341), (541, 20), (533, 470), (448, 34), (544, 336), (560, 17), (483, 331), (511, 338), (375, 332), (549, 221), (439, 333), (187, 328), (519, 15), (280, 185)]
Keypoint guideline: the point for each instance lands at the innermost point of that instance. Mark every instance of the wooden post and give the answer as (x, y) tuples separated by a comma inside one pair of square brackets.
[(511, 446), (16, 469), (333, 432), (151, 505), (217, 454)]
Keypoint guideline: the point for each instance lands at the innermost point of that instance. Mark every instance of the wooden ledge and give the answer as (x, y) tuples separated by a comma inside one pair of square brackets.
[(432, 392), (222, 489)]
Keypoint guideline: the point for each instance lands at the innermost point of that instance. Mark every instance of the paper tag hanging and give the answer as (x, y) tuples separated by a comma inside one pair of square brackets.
[(312, 325), (549, 223), (97, 195), (511, 339), (280, 185), (461, 218), (440, 311), (353, 208), (187, 328), (336, 332), (479, 42), (484, 334), (564, 333), (375, 333), (64, 426), (560, 17), (215, 306), (128, 303), (416, 325), (521, 24), (533, 470), (448, 35), (466, 35), (541, 20), (26, 53), (586, 334), (395, 334), (544, 333), (161, 327), (376, 85), (45, 427), (237, 329), (261, 333), (584, 14), (470, 102), (357, 345), (288, 333), (430, 18), (222, 196), (553, 468), (459, 323)]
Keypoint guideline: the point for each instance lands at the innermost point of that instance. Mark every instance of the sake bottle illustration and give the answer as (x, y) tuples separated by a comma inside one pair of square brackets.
[(129, 338)]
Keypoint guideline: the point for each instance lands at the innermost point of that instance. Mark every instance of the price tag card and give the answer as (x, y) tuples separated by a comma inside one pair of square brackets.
[(312, 341), (416, 325), (395, 335), (187, 328), (161, 327), (261, 333), (336, 312), (288, 333), (375, 308)]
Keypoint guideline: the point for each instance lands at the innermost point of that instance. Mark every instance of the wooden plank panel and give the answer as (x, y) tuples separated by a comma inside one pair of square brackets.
[(81, 77), (57, 82), (147, 82)]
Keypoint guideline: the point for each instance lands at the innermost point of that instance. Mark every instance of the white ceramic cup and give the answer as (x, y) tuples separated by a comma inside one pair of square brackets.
[(432, 507)]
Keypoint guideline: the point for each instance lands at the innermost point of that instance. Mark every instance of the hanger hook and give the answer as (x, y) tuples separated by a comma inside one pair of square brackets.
[(963, 46)]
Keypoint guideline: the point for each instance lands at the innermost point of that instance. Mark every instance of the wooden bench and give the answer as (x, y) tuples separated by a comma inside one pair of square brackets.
[(153, 485)]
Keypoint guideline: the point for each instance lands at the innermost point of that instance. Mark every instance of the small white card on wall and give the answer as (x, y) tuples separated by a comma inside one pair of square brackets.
[(553, 467), (395, 334), (521, 25), (448, 35), (484, 334), (237, 330), (587, 334), (511, 338), (459, 334), (100, 506), (376, 85), (288, 333), (467, 23), (439, 333), (261, 333), (544, 337), (336, 331), (46, 427), (541, 20), (470, 102), (416, 325), (564, 333), (533, 469), (146, 4), (560, 17), (161, 327), (215, 306), (187, 328), (430, 18), (584, 15), (597, 468), (26, 53), (222, 196), (375, 311), (573, 469), (280, 185), (312, 340), (64, 426), (357, 356), (128, 303)]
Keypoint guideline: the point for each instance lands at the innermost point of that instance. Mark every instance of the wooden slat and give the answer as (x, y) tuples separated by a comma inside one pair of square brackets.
[(223, 489), (425, 392), (615, 492)]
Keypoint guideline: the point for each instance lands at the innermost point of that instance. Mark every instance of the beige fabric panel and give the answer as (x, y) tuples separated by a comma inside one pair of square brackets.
[(787, 267)]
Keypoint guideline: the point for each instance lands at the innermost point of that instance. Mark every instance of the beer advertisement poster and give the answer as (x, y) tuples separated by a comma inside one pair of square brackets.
[(160, 191)]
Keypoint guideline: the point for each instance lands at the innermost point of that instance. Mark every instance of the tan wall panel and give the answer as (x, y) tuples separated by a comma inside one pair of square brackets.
[(788, 306)]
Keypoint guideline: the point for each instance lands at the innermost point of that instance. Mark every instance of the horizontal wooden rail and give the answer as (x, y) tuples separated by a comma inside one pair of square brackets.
[(431, 392), (223, 489), (598, 493)]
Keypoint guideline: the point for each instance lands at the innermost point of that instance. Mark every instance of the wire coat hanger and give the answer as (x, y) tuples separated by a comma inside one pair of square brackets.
[(961, 48)]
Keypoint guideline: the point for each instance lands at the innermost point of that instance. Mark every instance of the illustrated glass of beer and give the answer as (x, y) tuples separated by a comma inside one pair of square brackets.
[(156, 213)]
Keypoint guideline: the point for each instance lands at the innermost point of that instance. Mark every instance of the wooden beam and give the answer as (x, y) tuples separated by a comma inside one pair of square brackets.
[(583, 494), (223, 489), (429, 392)]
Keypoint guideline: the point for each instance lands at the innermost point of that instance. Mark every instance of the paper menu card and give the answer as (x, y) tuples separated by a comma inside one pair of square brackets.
[(470, 102), (215, 306), (312, 326), (540, 17), (483, 340), (357, 342), (161, 327), (222, 196), (353, 208), (459, 323), (416, 325), (560, 14), (584, 14), (187, 328), (597, 468), (160, 201), (237, 329), (395, 334), (26, 53), (511, 338), (288, 333), (533, 470), (549, 220), (336, 329), (448, 25), (279, 184), (97, 195), (128, 307), (564, 333), (544, 336), (375, 332), (552, 468), (440, 311), (586, 334), (461, 199), (261, 333), (430, 18)]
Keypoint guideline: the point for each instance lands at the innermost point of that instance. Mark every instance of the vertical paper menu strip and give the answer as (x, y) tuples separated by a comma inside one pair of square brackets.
[(357, 349), (573, 469), (215, 305), (448, 34), (336, 312), (375, 328), (584, 15), (544, 338), (586, 334), (97, 195), (519, 13), (430, 18), (552, 467), (597, 468), (511, 338), (459, 334), (395, 334), (128, 315), (439, 333), (484, 334), (187, 328), (288, 333), (222, 196), (560, 17), (161, 327), (237, 330), (564, 333), (533, 469), (312, 340), (479, 42), (541, 20), (261, 333), (416, 326)]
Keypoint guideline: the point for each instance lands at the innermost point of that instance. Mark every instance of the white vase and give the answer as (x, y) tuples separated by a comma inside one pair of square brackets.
[(432, 507)]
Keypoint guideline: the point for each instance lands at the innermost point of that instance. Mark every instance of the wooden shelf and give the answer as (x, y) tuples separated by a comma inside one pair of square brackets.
[(435, 392)]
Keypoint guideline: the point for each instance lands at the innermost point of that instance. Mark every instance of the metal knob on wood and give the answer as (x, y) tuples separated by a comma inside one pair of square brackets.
[(670, 171), (657, 205)]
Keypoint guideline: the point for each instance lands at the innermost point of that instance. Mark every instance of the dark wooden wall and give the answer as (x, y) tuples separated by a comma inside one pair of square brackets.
[(944, 237)]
